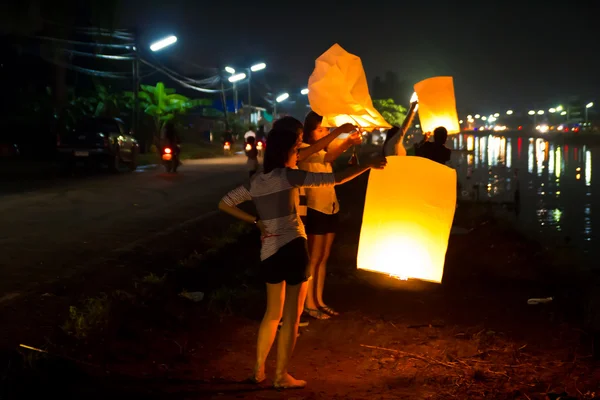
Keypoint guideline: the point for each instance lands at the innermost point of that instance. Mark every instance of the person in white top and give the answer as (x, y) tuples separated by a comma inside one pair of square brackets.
[(322, 211), (249, 134)]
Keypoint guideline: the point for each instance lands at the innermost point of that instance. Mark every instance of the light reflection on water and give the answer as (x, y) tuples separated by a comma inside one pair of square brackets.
[(555, 182)]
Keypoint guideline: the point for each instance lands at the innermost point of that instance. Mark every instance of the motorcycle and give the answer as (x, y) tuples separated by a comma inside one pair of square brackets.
[(227, 149), (170, 158), (260, 147)]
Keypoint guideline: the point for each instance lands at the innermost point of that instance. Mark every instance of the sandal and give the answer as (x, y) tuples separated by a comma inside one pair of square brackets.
[(330, 311), (316, 313)]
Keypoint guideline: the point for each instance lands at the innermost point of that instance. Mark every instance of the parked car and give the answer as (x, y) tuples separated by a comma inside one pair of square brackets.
[(96, 141)]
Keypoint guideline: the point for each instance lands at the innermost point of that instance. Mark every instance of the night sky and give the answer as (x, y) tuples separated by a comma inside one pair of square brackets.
[(501, 55)]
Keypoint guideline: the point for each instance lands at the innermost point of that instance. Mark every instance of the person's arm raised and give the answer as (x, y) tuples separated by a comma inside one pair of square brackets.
[(333, 152), (350, 173), (305, 152)]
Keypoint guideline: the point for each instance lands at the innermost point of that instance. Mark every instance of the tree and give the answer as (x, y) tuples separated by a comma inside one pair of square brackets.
[(164, 104), (393, 113)]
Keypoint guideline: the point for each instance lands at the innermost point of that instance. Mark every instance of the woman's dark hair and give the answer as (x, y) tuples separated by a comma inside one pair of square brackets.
[(251, 139), (288, 123), (279, 144), (311, 122)]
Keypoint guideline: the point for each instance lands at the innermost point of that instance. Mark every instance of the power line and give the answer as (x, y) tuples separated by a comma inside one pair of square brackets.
[(183, 83)]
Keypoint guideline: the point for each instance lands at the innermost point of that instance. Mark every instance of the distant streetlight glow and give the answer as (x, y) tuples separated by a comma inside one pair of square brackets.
[(161, 44), (559, 108), (460, 122), (282, 97), (469, 116), (484, 118), (237, 77), (509, 112), (540, 112), (589, 105), (496, 115), (552, 110), (477, 116), (230, 70), (531, 112), (258, 67), (563, 113), (304, 91)]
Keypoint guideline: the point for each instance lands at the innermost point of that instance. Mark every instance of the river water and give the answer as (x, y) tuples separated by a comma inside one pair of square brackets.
[(554, 179)]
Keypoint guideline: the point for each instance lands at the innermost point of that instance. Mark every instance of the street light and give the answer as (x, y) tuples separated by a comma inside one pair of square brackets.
[(563, 113), (496, 115), (540, 112), (509, 112), (304, 91), (237, 77), (279, 99), (230, 70), (477, 116), (552, 110), (282, 97), (258, 67), (559, 108), (161, 44), (531, 112), (156, 46), (587, 107)]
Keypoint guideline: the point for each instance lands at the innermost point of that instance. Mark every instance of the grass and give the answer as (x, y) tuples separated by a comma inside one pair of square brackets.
[(189, 151)]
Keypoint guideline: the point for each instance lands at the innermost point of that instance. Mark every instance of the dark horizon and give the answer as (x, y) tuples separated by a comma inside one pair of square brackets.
[(501, 56)]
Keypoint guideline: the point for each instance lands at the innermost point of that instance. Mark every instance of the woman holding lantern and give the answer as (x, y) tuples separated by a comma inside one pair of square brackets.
[(284, 255), (322, 213)]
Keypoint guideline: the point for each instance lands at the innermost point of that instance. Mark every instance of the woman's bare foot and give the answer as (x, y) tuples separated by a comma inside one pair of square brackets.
[(288, 382), (258, 375)]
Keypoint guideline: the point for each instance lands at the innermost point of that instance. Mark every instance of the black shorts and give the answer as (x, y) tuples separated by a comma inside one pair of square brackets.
[(289, 264), (318, 223)]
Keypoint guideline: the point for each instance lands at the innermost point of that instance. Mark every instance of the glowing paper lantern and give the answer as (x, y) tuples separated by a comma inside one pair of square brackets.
[(437, 105), (338, 91), (409, 208)]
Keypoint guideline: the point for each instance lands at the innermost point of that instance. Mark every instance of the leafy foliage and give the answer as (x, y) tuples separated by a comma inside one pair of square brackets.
[(393, 113), (163, 104)]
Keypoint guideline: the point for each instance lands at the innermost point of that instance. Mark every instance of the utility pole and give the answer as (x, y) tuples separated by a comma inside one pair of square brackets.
[(136, 85), (224, 101)]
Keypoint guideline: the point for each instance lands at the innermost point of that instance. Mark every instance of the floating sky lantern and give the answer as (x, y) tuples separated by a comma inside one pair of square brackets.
[(338, 91), (409, 208), (437, 104)]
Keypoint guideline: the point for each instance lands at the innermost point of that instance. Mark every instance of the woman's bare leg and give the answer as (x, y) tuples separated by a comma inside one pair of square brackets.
[(322, 270), (268, 327), (316, 246), (294, 304)]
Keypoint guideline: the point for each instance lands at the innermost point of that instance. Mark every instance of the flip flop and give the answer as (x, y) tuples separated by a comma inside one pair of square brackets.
[(316, 313), (330, 311)]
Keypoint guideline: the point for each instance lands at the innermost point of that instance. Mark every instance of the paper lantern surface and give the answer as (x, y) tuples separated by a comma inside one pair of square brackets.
[(338, 91), (437, 104), (409, 208)]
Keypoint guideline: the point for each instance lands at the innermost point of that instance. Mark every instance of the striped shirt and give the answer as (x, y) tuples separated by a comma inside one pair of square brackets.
[(276, 197)]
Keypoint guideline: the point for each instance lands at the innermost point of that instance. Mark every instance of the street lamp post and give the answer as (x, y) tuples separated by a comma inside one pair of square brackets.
[(156, 46), (254, 68), (587, 107), (279, 99)]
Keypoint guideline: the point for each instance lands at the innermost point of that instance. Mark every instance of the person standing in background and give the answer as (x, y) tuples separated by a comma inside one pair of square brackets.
[(322, 210)]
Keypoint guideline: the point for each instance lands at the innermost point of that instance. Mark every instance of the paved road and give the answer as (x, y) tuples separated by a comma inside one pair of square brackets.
[(47, 232)]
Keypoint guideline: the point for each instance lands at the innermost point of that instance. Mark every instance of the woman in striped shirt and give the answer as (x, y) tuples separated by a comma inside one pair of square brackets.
[(284, 255)]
